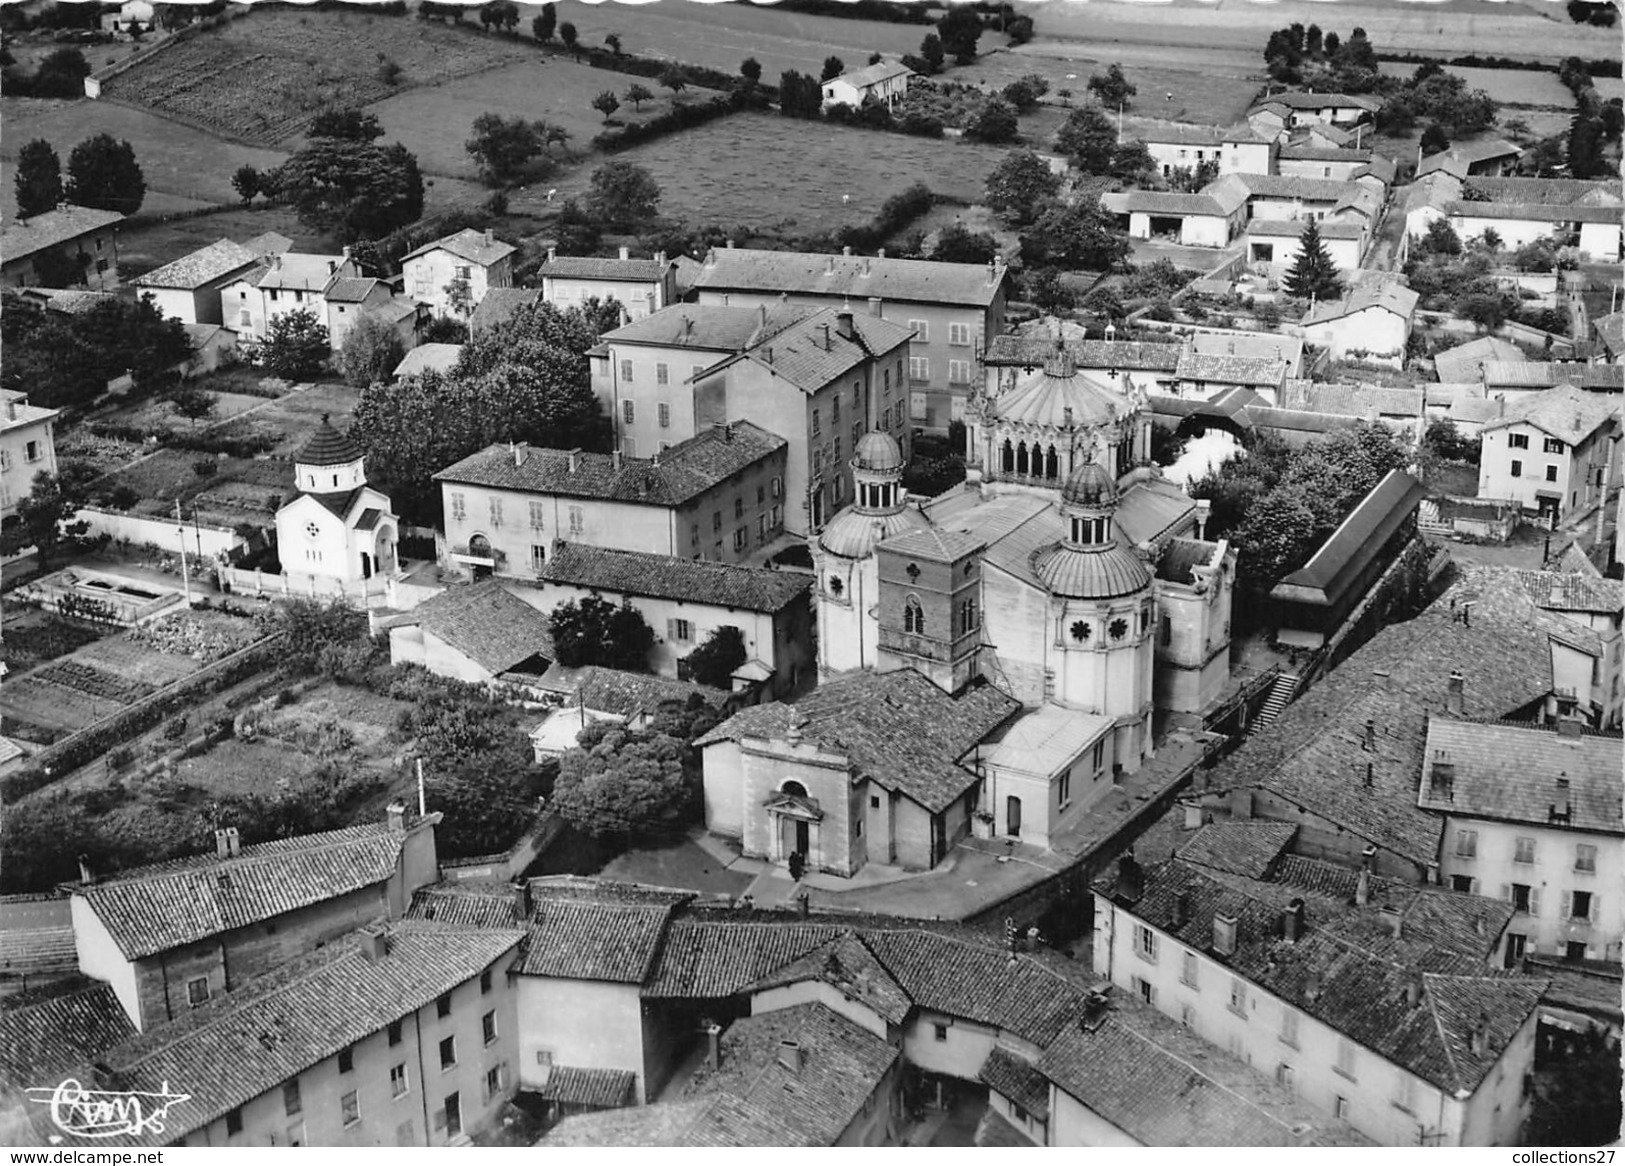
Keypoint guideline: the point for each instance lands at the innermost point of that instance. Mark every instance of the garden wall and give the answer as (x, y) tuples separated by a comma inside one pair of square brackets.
[(209, 541), (510, 866)]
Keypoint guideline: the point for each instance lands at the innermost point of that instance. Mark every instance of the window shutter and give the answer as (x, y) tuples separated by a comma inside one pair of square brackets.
[(1506, 891), (1568, 900), (671, 629), (1534, 900), (1596, 911), (1475, 889)]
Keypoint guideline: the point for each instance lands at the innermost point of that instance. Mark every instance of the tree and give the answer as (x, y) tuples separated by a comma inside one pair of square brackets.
[(352, 190), (371, 350), (1488, 309), (1276, 536), (1331, 44), (1024, 91), (1113, 89), (1048, 292), (1103, 302), (606, 103), (751, 70), (39, 178), (1585, 153), (622, 194), (295, 347), (347, 124), (1434, 139), (671, 77), (502, 147), (799, 95), (613, 41), (245, 180), (1088, 139), (103, 173), (52, 500), (933, 53), (1313, 274), (568, 34), (626, 784), (1312, 45), (957, 244), (996, 124), (486, 801), (542, 26), (960, 28), (1441, 238), (833, 68), (717, 658), (1020, 186), (310, 627), (192, 404), (637, 93), (1020, 30), (594, 631), (1080, 237)]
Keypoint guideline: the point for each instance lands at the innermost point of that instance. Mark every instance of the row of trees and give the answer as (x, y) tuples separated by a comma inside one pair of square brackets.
[(102, 173), (1296, 55), (64, 361), (1595, 124)]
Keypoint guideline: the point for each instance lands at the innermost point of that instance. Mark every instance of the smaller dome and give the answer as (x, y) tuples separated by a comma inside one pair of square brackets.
[(853, 534), (1091, 574), (877, 453), (328, 447), (1090, 485)]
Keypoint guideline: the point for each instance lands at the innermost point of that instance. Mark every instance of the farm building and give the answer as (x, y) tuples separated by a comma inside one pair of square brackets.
[(1595, 230), (1277, 243), (452, 275), (641, 286), (1427, 200), (72, 246), (1185, 146), (885, 82), (1552, 452), (1466, 159), (1465, 362), (1274, 196), (480, 634), (1205, 376), (1371, 324), (1302, 109), (210, 344), (131, 17), (1209, 219), (1309, 161), (1312, 602), (190, 288), (953, 309), (1515, 378), (1401, 410)]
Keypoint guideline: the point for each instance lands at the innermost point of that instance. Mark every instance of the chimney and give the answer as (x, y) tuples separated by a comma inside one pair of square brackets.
[(660, 261), (222, 848), (86, 875), (626, 253), (1368, 740), (1224, 935), (1370, 778), (1571, 727), (1193, 815), (874, 306), (276, 261), (881, 254), (11, 409), (728, 431), (521, 901), (1455, 690), (521, 452), (489, 239), (866, 272), (395, 815), (791, 1055), (713, 1047), (615, 459), (846, 252), (552, 254), (827, 344), (374, 944), (992, 272), (769, 354), (844, 326), (730, 244), (1312, 984), (575, 459), (1182, 907), (1241, 804), (1095, 1007), (1559, 810), (1292, 920), (1130, 878), (1478, 1040), (1413, 989), (1362, 888), (829, 265), (1392, 920), (332, 266)]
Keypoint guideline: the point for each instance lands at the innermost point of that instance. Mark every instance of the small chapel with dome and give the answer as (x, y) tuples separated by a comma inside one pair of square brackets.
[(337, 530)]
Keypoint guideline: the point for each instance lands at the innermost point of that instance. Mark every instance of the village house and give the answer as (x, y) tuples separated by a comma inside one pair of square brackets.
[(191, 288), (1210, 218), (953, 310), (685, 601), (404, 316), (1280, 196), (289, 282), (1491, 158), (1595, 230), (1555, 452), (1277, 244), (585, 695), (1464, 363), (1185, 146), (453, 274), (1371, 324), (641, 286), (172, 937), (1608, 338), (348, 298), (1303, 109), (71, 246), (1378, 1004), (480, 634), (1516, 377), (719, 496), (500, 304), (27, 449), (337, 532), (885, 82), (1303, 160), (130, 18), (1532, 815)]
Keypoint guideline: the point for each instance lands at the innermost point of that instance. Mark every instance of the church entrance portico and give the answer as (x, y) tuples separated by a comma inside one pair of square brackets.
[(795, 819)]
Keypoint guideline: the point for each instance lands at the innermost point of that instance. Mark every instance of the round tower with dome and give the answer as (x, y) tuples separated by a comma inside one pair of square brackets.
[(843, 556), (338, 534)]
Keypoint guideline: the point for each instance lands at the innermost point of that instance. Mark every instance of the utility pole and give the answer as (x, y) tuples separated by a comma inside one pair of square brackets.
[(186, 574)]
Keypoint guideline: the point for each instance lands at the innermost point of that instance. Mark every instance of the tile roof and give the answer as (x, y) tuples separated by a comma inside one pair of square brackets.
[(397, 308), (810, 351), (26, 414), (70, 301), (1350, 971), (154, 909), (487, 623), (661, 1125), (499, 304), (857, 277), (1512, 374), (573, 939), (1231, 370), (1304, 152), (1182, 556), (1573, 590), (1610, 332), (40, 1042), (1379, 167), (269, 243), (1044, 739), (1509, 773), (1342, 560), (708, 327), (665, 577), (874, 74), (1244, 848), (304, 272), (452, 906), (1160, 202), (1550, 191), (993, 1132), (1178, 133), (1300, 100), (20, 238), (1459, 159), (1465, 362), (1015, 1078), (1313, 753), (218, 260), (475, 246), (1567, 412), (441, 358), (624, 694), (685, 471), (846, 963), (593, 1088), (705, 960), (1368, 401), (1292, 186), (1033, 350), (1388, 295), (352, 289), (590, 267), (864, 715), (1532, 212), (250, 1040), (1294, 228)]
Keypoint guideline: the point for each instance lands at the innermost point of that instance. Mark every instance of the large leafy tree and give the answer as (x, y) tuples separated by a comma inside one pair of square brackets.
[(716, 659), (51, 502), (1112, 87), (346, 124), (959, 244), (371, 350), (543, 25), (960, 28), (1088, 139), (352, 190), (503, 147), (1313, 274), (295, 346), (833, 68), (60, 361), (524, 380), (595, 631), (622, 194), (39, 178), (103, 173), (1080, 236), (630, 785), (995, 124)]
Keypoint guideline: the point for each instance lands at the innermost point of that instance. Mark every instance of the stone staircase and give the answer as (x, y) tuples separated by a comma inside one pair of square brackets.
[(1281, 694)]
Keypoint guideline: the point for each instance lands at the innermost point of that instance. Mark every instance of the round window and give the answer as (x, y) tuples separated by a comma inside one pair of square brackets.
[(835, 585), (1119, 628), (1080, 631)]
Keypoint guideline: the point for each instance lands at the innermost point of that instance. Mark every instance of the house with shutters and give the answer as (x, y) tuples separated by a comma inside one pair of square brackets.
[(885, 82), (191, 288), (641, 286), (80, 242), (1378, 1003), (1533, 815), (286, 283), (1371, 324), (453, 274), (27, 449), (1555, 452)]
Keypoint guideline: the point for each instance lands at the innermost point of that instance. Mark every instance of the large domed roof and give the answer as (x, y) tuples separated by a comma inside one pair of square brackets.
[(853, 534), (1090, 485), (1048, 398), (328, 447), (1104, 573), (877, 453)]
